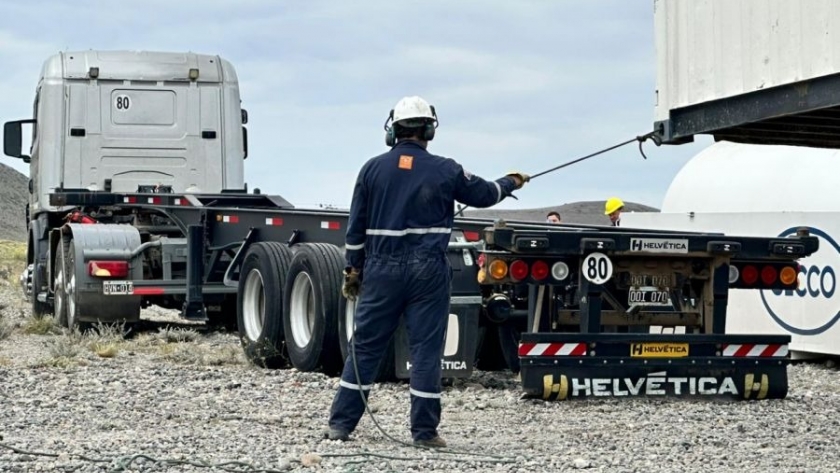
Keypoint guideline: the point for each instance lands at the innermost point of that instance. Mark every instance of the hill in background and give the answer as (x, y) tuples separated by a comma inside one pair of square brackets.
[(586, 212), (14, 194)]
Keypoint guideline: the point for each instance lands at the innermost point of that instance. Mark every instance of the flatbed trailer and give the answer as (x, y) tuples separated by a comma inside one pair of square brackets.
[(589, 292), (250, 262)]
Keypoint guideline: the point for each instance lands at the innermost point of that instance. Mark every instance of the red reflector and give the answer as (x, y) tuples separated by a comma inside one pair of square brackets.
[(148, 291), (181, 201), (154, 200), (539, 270), (330, 225), (130, 200), (749, 275), (768, 275), (108, 269), (472, 236), (518, 270)]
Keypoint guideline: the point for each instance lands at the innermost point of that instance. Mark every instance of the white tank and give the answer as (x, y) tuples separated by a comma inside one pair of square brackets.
[(758, 190), (731, 177)]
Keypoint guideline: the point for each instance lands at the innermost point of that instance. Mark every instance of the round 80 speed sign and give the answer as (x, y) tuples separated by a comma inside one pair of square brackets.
[(597, 268)]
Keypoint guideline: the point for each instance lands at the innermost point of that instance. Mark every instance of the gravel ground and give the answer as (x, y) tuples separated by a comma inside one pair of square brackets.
[(183, 395)]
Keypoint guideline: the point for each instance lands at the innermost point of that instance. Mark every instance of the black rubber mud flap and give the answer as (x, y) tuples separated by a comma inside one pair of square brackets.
[(311, 308), (580, 366), (261, 281)]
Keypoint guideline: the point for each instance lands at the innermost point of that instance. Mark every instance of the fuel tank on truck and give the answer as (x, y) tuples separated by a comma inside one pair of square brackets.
[(763, 190)]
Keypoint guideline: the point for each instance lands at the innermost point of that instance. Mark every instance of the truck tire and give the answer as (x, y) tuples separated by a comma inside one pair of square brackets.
[(60, 300), (70, 294), (259, 312), (387, 367), (312, 307)]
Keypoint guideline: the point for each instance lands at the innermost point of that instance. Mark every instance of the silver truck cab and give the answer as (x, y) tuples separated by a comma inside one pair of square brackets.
[(125, 121)]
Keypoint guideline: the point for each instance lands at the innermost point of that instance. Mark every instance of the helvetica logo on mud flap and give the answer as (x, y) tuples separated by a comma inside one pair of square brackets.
[(636, 245), (659, 245), (636, 349), (752, 386)]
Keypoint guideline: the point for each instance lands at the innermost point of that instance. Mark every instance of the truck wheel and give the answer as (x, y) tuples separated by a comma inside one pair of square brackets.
[(260, 312), (387, 367), (312, 306), (71, 296), (60, 308)]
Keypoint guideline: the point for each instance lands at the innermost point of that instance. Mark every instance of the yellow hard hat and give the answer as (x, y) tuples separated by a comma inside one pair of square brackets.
[(613, 204)]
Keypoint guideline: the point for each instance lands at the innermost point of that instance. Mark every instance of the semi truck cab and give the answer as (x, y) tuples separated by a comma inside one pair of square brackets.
[(125, 121)]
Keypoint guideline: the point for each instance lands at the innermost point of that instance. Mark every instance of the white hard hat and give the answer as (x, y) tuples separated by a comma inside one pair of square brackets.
[(412, 107)]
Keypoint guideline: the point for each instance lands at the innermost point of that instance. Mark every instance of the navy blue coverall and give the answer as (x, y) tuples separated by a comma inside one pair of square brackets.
[(400, 224)]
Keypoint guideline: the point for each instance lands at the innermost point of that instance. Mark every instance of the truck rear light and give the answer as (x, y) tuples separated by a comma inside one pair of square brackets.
[(788, 276), (519, 270), (108, 269), (498, 269), (539, 270), (472, 236), (768, 275), (749, 274), (733, 274), (560, 270)]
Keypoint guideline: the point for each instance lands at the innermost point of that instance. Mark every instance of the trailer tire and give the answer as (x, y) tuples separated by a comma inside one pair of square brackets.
[(388, 365), (259, 314), (312, 308)]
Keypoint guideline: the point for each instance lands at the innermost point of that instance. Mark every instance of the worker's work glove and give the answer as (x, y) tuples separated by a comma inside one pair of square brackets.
[(352, 283), (520, 178)]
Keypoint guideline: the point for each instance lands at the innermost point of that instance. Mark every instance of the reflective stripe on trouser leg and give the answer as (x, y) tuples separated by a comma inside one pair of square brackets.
[(426, 315), (377, 316)]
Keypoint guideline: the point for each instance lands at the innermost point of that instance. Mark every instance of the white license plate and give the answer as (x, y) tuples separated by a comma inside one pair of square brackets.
[(117, 288), (648, 296)]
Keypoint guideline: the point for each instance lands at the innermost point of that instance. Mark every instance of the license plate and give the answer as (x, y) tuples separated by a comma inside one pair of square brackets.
[(659, 350), (117, 288), (648, 296), (657, 280)]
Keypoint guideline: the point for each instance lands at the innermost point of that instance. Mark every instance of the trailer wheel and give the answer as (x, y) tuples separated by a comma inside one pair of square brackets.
[(260, 311), (312, 307), (346, 324)]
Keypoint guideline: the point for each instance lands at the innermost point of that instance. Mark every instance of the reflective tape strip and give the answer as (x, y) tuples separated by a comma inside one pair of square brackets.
[(424, 394), (552, 349), (465, 300), (498, 191), (354, 247), (416, 231), (742, 350), (355, 387)]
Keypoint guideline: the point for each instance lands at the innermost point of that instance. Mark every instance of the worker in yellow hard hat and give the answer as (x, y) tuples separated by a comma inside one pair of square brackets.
[(613, 209)]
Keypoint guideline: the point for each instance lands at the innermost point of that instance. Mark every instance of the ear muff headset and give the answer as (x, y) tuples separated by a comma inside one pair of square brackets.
[(428, 128)]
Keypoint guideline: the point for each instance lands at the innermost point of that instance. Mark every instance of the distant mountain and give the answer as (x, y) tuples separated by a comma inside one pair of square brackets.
[(585, 212), (14, 194)]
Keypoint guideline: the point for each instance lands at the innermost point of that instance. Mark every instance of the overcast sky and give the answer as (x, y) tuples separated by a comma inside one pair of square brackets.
[(517, 84)]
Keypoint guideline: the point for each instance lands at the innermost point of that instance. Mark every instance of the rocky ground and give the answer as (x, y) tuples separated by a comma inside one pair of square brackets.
[(182, 399)]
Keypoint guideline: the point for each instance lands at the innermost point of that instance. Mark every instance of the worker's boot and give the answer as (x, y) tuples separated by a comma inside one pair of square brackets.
[(434, 442), (336, 434)]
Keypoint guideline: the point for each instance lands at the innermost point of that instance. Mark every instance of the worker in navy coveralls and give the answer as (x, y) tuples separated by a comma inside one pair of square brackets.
[(400, 224)]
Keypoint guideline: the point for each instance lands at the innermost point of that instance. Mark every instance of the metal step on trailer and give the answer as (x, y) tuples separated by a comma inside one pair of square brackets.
[(571, 366)]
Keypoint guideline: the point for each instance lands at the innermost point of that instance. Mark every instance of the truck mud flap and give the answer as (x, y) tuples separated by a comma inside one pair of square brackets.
[(558, 367), (459, 346)]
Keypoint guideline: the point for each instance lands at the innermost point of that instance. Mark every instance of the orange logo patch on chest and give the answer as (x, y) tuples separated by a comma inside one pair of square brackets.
[(406, 161)]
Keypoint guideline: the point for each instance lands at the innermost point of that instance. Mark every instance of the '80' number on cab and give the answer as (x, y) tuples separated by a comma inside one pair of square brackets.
[(597, 268)]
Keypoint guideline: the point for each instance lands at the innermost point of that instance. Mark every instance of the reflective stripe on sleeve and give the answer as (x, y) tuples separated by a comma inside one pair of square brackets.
[(354, 247), (498, 191)]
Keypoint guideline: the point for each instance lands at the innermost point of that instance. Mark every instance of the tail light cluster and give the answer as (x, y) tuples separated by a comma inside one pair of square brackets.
[(764, 275), (108, 269), (500, 270)]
